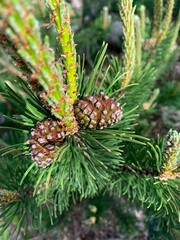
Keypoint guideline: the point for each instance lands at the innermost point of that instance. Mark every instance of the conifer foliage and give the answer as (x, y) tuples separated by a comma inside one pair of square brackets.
[(75, 131)]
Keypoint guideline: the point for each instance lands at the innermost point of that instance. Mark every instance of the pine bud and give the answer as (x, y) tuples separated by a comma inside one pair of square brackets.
[(46, 137), (172, 149), (97, 111), (170, 155), (7, 196)]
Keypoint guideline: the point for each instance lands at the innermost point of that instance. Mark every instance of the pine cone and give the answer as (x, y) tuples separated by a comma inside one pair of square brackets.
[(7, 196), (46, 137), (97, 111)]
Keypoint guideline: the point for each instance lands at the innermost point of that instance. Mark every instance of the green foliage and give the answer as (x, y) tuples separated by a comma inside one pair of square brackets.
[(10, 177)]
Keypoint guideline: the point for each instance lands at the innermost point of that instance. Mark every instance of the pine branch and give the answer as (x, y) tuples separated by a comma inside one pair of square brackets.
[(127, 16), (161, 197), (23, 29), (17, 201)]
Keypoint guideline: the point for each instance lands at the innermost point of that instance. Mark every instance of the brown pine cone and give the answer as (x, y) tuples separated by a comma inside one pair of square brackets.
[(7, 196), (97, 111), (46, 137)]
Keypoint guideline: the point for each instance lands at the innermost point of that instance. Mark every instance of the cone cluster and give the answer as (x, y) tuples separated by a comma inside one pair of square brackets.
[(97, 112), (46, 137)]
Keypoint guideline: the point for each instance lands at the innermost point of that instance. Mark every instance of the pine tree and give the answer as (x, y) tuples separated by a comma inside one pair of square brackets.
[(73, 135)]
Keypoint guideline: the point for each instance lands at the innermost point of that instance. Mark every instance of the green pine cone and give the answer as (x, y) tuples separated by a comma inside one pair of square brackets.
[(97, 112), (46, 137)]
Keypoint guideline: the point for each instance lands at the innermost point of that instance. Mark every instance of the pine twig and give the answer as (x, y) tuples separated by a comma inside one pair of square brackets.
[(60, 16), (127, 16), (167, 19), (158, 14)]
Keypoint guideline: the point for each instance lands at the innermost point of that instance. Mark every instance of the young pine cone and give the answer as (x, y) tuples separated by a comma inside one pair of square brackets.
[(97, 111), (7, 196), (46, 137)]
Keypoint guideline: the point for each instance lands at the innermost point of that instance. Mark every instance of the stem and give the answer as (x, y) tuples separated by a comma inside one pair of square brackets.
[(60, 16)]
